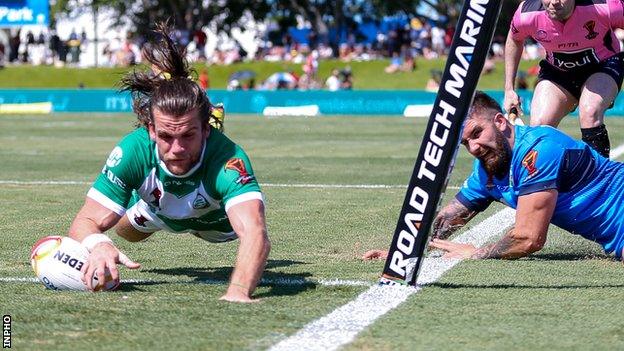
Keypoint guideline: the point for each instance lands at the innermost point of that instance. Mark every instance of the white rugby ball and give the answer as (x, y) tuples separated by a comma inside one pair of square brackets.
[(57, 261)]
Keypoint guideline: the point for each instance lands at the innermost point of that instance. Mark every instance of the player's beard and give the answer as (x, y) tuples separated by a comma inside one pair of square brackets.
[(498, 160)]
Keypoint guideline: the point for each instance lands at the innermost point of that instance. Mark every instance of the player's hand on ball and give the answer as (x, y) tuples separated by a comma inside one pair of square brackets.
[(453, 249), (375, 255), (103, 257)]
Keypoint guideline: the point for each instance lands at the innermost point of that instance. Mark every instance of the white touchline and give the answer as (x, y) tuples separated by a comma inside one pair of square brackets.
[(615, 153), (44, 182), (342, 325), (268, 185), (338, 186)]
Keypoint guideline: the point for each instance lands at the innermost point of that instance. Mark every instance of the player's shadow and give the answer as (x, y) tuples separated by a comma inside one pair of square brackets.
[(523, 286), (566, 256), (563, 256), (279, 283)]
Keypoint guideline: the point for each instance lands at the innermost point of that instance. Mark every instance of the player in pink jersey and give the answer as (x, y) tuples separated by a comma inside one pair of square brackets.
[(583, 67)]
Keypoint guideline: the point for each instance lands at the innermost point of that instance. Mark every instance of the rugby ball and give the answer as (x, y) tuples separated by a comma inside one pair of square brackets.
[(57, 261)]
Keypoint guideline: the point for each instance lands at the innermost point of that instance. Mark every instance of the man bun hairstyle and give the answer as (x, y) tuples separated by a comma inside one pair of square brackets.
[(484, 105), (169, 85)]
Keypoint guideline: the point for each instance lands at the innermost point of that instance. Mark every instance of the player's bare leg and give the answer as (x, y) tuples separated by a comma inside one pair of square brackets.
[(550, 104), (597, 95), (125, 230)]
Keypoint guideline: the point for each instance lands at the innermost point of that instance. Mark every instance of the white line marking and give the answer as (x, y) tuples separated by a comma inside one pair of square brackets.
[(268, 185), (44, 182), (617, 152), (338, 186), (264, 281), (342, 325)]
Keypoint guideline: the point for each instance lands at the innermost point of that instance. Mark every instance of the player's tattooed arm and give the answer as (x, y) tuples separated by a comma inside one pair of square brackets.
[(500, 249), (451, 218), (511, 245), (528, 235)]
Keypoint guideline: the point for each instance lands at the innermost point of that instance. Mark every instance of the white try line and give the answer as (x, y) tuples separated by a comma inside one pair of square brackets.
[(263, 281), (615, 153), (268, 185), (342, 325), (44, 182)]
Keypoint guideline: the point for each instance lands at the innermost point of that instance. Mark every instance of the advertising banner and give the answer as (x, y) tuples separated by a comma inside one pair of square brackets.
[(15, 13)]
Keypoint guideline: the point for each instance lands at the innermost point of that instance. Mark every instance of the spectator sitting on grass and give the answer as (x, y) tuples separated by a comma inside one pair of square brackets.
[(409, 65), (346, 79), (395, 63), (433, 84), (333, 82)]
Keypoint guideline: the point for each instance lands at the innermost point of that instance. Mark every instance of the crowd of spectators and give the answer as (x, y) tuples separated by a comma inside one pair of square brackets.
[(403, 45), (42, 48)]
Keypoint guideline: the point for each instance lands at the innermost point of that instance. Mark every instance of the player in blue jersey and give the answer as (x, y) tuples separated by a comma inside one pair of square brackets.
[(544, 174)]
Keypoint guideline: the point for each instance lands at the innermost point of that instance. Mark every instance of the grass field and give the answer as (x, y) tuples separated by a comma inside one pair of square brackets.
[(367, 75), (568, 296)]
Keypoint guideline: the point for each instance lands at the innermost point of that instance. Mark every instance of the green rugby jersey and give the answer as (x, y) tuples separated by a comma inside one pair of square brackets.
[(195, 201)]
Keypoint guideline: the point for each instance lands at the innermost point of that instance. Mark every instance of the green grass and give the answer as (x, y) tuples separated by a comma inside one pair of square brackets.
[(367, 75), (565, 297)]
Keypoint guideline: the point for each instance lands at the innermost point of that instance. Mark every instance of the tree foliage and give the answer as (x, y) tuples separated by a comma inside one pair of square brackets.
[(228, 14), (185, 14)]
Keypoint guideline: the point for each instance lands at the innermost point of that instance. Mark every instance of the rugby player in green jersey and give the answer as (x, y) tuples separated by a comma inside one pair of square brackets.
[(175, 172)]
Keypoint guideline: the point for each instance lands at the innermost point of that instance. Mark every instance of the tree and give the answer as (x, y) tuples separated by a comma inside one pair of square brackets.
[(185, 14), (447, 8), (343, 13), (228, 14)]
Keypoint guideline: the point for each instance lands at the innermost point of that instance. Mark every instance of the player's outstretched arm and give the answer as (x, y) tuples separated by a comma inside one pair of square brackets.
[(452, 217), (91, 221), (92, 218), (527, 236), (248, 221)]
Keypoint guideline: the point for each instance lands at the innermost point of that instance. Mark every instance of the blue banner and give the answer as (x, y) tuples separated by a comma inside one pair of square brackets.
[(15, 13)]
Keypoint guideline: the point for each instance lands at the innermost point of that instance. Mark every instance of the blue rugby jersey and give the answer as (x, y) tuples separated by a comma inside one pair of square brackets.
[(591, 187)]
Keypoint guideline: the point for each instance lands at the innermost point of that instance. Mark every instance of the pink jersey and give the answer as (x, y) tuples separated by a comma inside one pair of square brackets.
[(585, 38)]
